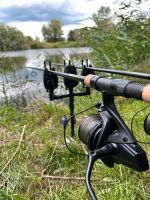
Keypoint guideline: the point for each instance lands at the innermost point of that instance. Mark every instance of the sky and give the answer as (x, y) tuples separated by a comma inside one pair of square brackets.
[(30, 15)]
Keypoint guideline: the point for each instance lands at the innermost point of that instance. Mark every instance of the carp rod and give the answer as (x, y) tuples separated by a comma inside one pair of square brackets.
[(83, 79), (116, 87), (124, 73), (110, 71)]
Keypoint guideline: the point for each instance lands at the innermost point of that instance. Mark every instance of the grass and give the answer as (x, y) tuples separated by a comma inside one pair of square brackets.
[(10, 64), (60, 44), (35, 164), (65, 44)]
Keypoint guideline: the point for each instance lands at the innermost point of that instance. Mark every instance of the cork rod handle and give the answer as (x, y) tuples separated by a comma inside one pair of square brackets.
[(145, 91)]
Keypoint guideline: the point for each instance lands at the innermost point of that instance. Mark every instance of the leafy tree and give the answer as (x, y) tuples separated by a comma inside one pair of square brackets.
[(103, 19), (125, 43), (78, 34), (11, 38), (53, 31), (101, 36), (71, 35), (34, 43), (133, 26)]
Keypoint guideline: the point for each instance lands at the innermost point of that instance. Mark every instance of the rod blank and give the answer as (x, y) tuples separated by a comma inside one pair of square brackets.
[(144, 94), (113, 71), (120, 72), (69, 76)]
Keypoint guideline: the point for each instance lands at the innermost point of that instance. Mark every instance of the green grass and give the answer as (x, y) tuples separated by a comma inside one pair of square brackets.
[(32, 148), (8, 64), (65, 44)]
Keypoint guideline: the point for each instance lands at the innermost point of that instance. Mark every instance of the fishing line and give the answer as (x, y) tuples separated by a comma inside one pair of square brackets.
[(96, 105), (65, 127), (132, 121)]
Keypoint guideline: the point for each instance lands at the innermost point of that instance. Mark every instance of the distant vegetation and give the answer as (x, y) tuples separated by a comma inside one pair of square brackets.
[(10, 64), (11, 38), (53, 31), (121, 39), (126, 43)]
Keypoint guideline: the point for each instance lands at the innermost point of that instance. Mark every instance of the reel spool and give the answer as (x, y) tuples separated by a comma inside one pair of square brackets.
[(99, 130)]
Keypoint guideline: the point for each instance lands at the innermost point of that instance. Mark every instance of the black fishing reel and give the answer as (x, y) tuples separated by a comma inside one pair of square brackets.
[(108, 138), (105, 134)]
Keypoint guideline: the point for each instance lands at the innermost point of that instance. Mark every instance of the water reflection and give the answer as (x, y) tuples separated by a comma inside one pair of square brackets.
[(16, 79), (35, 57), (8, 64)]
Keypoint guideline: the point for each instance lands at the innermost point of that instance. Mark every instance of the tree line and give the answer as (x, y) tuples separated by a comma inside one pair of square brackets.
[(126, 40), (13, 39)]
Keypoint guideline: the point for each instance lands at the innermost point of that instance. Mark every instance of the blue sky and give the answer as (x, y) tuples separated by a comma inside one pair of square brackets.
[(30, 15)]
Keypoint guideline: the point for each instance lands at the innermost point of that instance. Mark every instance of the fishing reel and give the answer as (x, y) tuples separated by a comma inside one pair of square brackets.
[(108, 138), (105, 134)]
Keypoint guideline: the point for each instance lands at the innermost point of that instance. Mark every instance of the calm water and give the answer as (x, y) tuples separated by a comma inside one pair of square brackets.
[(36, 57), (17, 80)]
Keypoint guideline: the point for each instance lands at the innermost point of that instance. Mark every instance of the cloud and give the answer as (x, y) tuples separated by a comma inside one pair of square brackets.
[(29, 16), (41, 12)]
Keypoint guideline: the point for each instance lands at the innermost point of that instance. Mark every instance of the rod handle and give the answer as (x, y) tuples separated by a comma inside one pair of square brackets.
[(146, 93), (119, 87)]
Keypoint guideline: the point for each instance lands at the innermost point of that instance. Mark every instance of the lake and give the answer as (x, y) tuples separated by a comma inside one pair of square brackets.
[(17, 80)]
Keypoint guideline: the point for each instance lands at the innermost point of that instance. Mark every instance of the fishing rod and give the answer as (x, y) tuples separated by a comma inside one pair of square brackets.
[(105, 134), (111, 71), (92, 69), (116, 87), (124, 73), (119, 72)]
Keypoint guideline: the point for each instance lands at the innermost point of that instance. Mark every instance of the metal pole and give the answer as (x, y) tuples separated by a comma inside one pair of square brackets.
[(71, 107)]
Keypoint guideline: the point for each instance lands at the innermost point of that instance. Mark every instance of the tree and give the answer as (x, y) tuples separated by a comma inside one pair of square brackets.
[(133, 26), (11, 38), (125, 43), (71, 35), (78, 34), (103, 19), (101, 36), (53, 31)]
